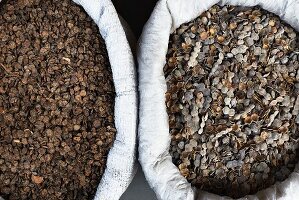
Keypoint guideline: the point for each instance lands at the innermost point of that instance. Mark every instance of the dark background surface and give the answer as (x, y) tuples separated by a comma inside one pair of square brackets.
[(136, 13), (139, 189)]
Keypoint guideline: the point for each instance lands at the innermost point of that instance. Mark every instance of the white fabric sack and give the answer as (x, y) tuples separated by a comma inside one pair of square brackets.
[(121, 165), (154, 138)]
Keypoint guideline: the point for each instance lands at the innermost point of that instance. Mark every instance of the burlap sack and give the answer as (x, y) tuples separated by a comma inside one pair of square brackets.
[(154, 138), (121, 167)]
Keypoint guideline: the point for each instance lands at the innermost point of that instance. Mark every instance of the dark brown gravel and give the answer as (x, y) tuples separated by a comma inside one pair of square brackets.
[(56, 101)]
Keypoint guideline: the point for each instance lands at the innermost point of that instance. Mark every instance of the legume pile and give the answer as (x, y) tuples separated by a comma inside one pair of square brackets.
[(56, 101), (233, 84)]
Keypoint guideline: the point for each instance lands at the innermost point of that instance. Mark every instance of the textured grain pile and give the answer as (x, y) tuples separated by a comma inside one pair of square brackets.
[(232, 76), (56, 101)]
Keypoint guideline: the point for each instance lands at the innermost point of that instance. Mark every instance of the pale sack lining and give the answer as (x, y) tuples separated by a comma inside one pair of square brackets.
[(154, 139), (120, 166)]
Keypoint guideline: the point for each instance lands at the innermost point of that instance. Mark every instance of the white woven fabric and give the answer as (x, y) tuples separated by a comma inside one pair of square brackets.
[(154, 139), (121, 165)]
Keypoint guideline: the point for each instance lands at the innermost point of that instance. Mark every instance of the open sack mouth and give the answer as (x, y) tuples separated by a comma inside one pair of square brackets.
[(224, 102), (232, 99), (57, 101)]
